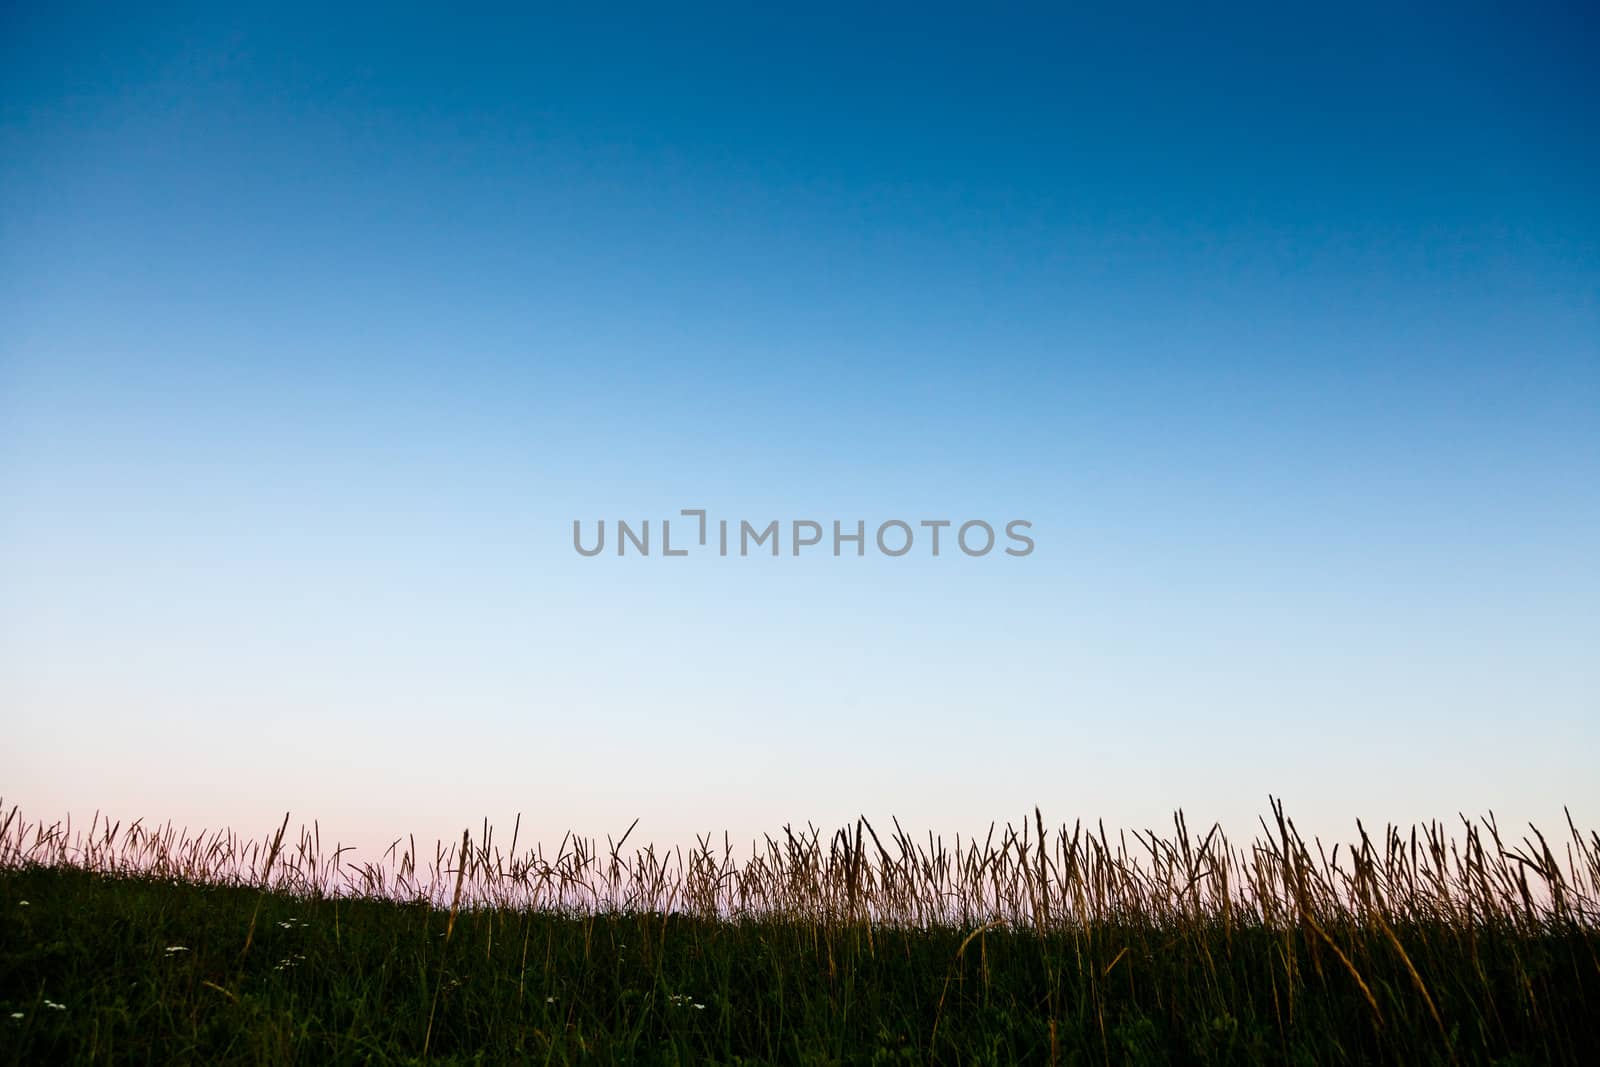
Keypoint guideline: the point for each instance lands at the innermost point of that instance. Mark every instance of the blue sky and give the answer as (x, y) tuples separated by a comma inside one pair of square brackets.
[(1283, 330)]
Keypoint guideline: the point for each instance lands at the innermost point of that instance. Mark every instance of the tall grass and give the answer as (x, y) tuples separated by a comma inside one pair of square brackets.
[(1025, 875), (1430, 944)]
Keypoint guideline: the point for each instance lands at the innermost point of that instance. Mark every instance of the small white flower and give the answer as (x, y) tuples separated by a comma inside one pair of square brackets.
[(699, 1007), (53, 1006), (549, 1000), (16, 1015), (173, 950), (21, 904)]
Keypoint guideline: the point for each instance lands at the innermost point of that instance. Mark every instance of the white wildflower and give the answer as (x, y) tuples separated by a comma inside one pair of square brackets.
[(53, 1006), (173, 950), (16, 1015)]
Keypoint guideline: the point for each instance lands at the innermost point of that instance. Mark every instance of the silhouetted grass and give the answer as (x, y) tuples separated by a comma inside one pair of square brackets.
[(1031, 947)]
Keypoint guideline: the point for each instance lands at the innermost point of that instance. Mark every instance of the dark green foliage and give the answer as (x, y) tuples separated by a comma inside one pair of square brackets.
[(339, 980)]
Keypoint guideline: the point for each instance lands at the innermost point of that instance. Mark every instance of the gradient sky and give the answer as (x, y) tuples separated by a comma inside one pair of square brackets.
[(317, 332)]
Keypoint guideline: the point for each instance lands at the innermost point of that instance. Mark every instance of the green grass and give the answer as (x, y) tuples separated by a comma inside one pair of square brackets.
[(1284, 965)]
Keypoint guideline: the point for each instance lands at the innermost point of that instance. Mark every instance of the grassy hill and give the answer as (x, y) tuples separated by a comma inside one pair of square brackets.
[(98, 965)]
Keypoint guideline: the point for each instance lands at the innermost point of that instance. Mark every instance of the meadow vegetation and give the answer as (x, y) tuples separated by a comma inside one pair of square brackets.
[(1038, 944)]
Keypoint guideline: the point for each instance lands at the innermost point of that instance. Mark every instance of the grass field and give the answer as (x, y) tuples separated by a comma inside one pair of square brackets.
[(1038, 945)]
